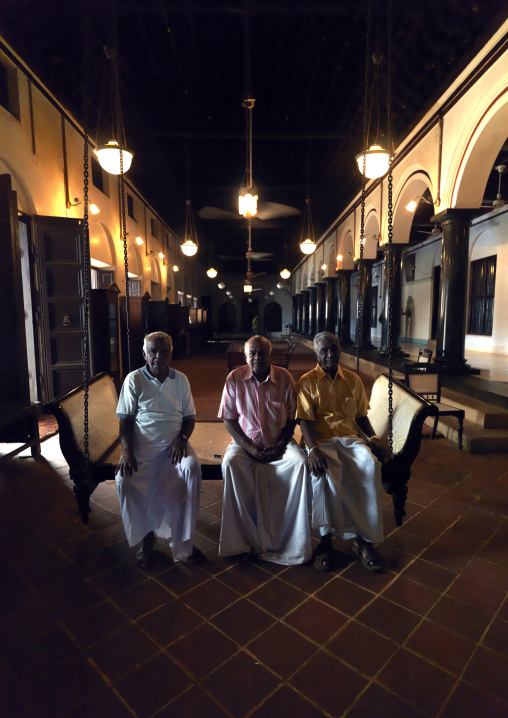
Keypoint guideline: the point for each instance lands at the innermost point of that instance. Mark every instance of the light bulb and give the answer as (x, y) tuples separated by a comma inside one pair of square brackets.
[(308, 246), (285, 274), (109, 157), (212, 273), (189, 248)]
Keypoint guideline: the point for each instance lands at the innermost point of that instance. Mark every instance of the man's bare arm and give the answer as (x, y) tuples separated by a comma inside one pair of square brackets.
[(253, 449), (317, 460), (179, 448), (127, 463)]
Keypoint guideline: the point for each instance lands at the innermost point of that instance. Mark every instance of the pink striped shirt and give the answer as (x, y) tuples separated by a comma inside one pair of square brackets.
[(261, 409)]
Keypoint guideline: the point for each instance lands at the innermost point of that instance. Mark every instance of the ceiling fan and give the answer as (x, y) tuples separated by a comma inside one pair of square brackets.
[(249, 254), (266, 211)]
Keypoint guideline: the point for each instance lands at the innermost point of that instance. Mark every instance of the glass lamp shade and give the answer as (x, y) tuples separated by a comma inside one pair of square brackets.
[(285, 274), (175, 268), (161, 255), (308, 246), (94, 209), (376, 162), (109, 157), (139, 241), (221, 285), (247, 288), (189, 248), (411, 206), (280, 285), (212, 273), (247, 204)]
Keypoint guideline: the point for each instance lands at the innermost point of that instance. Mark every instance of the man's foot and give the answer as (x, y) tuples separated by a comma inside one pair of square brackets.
[(367, 555), (323, 555), (145, 553), (196, 557)]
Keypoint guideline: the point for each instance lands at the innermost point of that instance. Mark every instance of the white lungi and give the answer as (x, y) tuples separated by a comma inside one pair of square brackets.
[(346, 501), (265, 507), (161, 497)]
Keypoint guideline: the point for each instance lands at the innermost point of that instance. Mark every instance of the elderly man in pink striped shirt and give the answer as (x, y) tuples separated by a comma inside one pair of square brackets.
[(265, 511)]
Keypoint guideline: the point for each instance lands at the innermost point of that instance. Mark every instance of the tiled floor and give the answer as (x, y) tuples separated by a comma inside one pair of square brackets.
[(84, 633)]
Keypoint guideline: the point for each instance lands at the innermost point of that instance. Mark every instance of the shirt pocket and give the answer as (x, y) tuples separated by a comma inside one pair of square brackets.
[(350, 407), (277, 413)]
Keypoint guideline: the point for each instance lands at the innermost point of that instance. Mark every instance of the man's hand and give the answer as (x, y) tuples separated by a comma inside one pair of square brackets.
[(377, 448), (273, 453), (127, 464), (255, 451), (178, 450), (317, 462)]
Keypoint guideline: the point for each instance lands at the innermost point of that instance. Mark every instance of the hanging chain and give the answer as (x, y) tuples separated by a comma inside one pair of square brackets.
[(86, 303), (390, 245), (359, 319)]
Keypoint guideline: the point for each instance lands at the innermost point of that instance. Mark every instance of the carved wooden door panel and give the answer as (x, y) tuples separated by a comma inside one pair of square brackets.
[(59, 261)]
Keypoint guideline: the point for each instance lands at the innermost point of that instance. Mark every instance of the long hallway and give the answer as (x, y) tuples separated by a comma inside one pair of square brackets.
[(83, 632)]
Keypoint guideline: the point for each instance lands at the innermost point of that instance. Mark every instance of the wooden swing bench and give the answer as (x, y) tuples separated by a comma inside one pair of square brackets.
[(409, 413)]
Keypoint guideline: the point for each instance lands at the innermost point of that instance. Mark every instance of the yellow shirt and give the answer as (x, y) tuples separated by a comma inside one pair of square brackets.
[(332, 404)]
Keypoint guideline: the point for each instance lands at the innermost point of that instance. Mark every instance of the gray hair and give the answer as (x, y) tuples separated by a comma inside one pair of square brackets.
[(323, 335), (157, 337), (264, 340)]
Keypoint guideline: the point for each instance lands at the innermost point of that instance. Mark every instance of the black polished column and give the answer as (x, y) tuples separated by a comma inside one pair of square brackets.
[(294, 315), (451, 325), (396, 301), (366, 276), (299, 323), (344, 307), (320, 307), (305, 312), (312, 311), (331, 312)]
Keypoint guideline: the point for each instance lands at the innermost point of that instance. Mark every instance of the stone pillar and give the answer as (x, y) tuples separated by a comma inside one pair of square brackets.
[(331, 313), (365, 271), (320, 307), (451, 326), (312, 311), (344, 307), (294, 316), (299, 322), (396, 301)]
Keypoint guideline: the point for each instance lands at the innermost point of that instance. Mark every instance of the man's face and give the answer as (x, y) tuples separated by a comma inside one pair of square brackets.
[(158, 355), (257, 354), (328, 355)]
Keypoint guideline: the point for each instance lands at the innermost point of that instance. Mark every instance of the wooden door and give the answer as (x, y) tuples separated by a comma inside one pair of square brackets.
[(60, 279)]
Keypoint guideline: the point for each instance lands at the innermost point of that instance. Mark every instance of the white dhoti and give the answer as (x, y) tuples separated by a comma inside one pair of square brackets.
[(161, 497), (346, 501), (265, 507)]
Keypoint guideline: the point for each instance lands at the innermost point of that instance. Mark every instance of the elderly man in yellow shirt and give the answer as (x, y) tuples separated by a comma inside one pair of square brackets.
[(341, 444)]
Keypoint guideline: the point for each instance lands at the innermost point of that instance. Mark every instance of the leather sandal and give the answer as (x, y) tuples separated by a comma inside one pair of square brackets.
[(369, 558)]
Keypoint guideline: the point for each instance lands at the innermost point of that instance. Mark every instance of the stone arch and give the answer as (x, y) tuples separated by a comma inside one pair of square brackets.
[(484, 245), (155, 280), (135, 265), (272, 317), (347, 250), (102, 246), (414, 185)]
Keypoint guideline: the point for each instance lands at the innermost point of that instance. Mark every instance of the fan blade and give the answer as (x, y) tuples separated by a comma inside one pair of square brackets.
[(260, 255), (273, 210), (257, 289), (216, 213), (258, 274), (229, 258)]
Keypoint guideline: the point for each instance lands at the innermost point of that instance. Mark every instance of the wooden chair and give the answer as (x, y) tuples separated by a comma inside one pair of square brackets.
[(425, 380), (424, 355)]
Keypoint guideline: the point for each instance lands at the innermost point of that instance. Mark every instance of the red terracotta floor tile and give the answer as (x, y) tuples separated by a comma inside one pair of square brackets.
[(277, 597), (406, 542), (460, 617), (468, 590), (201, 651), (488, 573), (495, 549), (487, 671), (445, 557), (458, 539), (479, 523), (123, 651), (242, 621), (25, 622), (240, 697), (344, 596), (395, 560), (209, 597), (97, 623), (411, 595), (119, 578), (495, 500), (411, 677), (142, 599), (423, 529), (433, 515), (496, 637), (429, 574), (282, 650), (440, 646), (362, 648), (316, 620), (170, 622), (194, 703), (71, 600), (468, 702), (389, 619), (103, 703), (38, 653), (307, 579), (162, 680), (329, 683), (245, 577), (286, 702), (380, 703)]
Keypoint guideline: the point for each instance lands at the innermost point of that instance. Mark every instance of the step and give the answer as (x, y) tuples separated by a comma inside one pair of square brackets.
[(475, 439), (479, 412)]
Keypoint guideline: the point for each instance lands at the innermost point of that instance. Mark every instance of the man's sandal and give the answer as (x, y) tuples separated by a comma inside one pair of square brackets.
[(369, 558)]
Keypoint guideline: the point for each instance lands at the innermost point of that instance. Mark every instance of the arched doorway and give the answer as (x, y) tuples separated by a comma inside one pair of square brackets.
[(272, 317), (227, 317)]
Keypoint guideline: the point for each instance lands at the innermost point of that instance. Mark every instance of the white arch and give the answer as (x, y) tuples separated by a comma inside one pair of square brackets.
[(18, 184), (101, 243), (414, 185), (346, 249)]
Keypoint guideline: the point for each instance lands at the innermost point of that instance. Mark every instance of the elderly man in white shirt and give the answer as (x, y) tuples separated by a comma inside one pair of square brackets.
[(158, 476)]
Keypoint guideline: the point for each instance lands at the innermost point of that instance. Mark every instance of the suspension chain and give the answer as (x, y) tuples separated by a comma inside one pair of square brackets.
[(86, 302), (390, 244)]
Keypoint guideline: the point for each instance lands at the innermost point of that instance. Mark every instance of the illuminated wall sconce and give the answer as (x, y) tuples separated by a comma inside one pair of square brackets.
[(139, 241), (175, 268), (161, 255), (221, 285), (92, 207), (339, 258)]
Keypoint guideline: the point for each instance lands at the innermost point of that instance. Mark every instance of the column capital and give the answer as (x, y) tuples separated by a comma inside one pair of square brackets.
[(455, 214)]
